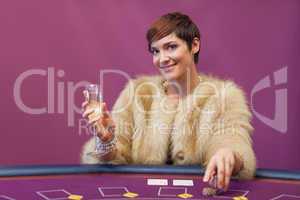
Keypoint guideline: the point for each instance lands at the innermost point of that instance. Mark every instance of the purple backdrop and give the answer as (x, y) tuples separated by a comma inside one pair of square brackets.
[(49, 48)]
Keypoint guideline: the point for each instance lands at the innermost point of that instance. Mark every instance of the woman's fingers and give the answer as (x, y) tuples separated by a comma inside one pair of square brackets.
[(86, 95), (84, 104), (99, 117), (209, 170), (105, 121), (104, 110), (222, 163), (94, 118), (228, 172), (98, 109), (88, 112), (221, 172)]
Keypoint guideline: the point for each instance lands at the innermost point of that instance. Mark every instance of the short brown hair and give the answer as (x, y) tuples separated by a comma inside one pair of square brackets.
[(176, 22)]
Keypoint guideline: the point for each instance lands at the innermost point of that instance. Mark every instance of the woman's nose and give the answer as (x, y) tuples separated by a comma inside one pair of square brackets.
[(164, 59)]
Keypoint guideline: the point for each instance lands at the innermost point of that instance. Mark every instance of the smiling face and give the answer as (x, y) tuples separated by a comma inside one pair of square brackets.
[(172, 56)]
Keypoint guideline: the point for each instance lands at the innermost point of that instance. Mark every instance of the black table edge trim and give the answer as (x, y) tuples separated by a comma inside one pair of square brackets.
[(42, 170)]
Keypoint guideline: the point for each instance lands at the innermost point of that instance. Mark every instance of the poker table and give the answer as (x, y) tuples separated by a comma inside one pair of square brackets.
[(113, 181)]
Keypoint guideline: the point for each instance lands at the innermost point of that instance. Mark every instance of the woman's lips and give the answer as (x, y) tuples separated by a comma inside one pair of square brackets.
[(167, 68)]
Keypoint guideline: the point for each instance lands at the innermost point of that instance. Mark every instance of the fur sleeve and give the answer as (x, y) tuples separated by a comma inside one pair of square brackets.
[(122, 116), (232, 128)]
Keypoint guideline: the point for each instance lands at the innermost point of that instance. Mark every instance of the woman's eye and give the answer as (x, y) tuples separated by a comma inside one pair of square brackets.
[(172, 46), (154, 51)]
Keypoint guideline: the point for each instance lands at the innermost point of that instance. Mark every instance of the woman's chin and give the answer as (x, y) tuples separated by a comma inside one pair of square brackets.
[(169, 76)]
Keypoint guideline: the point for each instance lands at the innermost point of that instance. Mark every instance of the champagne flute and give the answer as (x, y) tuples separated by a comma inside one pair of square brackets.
[(95, 98)]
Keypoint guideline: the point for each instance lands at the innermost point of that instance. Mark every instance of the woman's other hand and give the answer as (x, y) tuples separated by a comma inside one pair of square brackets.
[(223, 164)]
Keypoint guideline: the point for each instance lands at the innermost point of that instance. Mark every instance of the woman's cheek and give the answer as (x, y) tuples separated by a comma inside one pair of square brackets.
[(176, 56), (155, 62)]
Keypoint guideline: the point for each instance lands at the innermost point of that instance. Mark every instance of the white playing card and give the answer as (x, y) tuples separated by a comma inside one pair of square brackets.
[(157, 181), (183, 183)]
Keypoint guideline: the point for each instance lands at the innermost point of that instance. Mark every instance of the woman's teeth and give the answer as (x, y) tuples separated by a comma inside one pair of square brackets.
[(167, 67)]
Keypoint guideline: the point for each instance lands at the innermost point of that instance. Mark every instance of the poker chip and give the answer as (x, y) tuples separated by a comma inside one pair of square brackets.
[(213, 181), (209, 191)]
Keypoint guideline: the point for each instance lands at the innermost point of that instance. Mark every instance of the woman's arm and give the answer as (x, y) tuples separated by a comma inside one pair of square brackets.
[(123, 121), (229, 144)]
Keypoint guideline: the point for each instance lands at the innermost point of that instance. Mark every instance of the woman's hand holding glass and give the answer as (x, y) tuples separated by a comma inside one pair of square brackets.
[(99, 117)]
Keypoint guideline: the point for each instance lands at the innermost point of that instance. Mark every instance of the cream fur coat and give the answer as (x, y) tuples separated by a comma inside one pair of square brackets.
[(150, 129)]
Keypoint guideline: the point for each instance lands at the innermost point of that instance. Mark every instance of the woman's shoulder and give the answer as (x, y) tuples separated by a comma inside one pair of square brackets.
[(218, 82), (214, 79), (214, 85)]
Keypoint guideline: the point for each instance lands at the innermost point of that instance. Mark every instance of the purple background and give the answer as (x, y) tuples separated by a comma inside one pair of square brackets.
[(242, 40)]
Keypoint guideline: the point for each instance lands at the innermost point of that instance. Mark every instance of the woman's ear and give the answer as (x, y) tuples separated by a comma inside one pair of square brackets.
[(196, 44)]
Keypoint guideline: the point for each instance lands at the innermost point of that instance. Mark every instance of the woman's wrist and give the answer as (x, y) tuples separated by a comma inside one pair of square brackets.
[(104, 147)]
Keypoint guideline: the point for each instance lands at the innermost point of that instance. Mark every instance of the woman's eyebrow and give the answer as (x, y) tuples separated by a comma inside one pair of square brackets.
[(168, 43), (164, 44)]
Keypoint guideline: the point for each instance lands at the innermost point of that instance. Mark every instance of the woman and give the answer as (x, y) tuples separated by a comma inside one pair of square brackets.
[(180, 116)]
